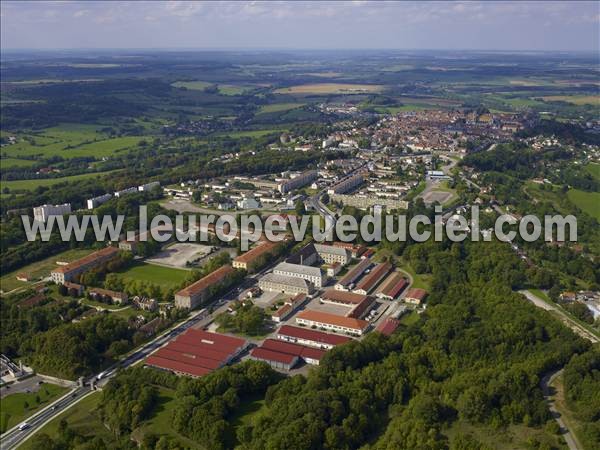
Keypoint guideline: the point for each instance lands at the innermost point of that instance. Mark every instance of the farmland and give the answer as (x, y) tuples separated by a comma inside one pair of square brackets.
[(331, 88), (27, 185), (574, 99), (69, 142), (279, 107)]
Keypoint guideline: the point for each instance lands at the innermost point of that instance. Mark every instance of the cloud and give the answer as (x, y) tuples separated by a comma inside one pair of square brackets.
[(302, 24)]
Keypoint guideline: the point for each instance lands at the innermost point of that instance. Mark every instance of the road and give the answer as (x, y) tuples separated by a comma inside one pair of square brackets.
[(549, 396), (573, 325), (13, 437)]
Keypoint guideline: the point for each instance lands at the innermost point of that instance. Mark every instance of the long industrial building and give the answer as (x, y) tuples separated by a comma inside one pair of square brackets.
[(331, 322), (198, 292), (368, 283), (41, 213), (297, 182), (197, 352), (348, 281), (311, 338), (71, 270)]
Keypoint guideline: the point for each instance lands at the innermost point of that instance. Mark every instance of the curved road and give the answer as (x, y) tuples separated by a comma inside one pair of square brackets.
[(549, 396)]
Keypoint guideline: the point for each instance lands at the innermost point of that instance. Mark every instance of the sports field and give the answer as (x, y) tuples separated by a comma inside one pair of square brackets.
[(163, 276), (331, 88)]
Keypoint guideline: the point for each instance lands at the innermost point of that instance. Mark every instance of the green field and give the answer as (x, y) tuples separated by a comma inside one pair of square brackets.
[(278, 107), (163, 276), (587, 201), (40, 269), (251, 134), (594, 170), (331, 88), (69, 141), (81, 417), (7, 163), (224, 89), (13, 411), (28, 185)]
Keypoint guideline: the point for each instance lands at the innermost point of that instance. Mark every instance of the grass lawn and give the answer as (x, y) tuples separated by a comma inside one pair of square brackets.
[(160, 423), (40, 269), (422, 281), (163, 276), (28, 185), (13, 412), (410, 318), (587, 201), (330, 88), (81, 417)]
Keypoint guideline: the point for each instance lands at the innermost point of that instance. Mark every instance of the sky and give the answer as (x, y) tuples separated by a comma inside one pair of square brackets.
[(477, 25)]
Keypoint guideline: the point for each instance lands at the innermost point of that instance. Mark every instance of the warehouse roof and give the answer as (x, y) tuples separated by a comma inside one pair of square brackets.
[(312, 335)]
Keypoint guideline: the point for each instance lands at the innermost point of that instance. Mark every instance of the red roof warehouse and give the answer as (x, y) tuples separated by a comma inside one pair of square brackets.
[(310, 337), (197, 352)]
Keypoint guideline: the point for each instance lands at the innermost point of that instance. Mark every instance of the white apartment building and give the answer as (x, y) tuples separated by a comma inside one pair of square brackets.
[(298, 181), (41, 213), (97, 201), (308, 273), (346, 184)]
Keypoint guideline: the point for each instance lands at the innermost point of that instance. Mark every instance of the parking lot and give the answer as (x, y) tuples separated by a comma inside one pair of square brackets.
[(179, 254)]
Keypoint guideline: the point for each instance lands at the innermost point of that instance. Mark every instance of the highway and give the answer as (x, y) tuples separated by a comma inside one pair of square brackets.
[(13, 437)]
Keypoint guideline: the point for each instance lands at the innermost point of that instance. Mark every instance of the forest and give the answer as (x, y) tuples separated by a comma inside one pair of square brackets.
[(476, 356)]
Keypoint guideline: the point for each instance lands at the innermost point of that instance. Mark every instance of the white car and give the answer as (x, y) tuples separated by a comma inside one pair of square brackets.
[(24, 426)]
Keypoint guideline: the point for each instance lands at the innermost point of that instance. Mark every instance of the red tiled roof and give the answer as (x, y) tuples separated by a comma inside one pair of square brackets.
[(293, 349), (351, 276), (216, 338), (332, 319), (393, 285), (256, 252), (343, 297), (177, 366), (368, 282), (212, 278), (270, 355), (388, 326), (105, 252), (419, 294), (196, 352), (188, 358), (199, 350), (312, 335)]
